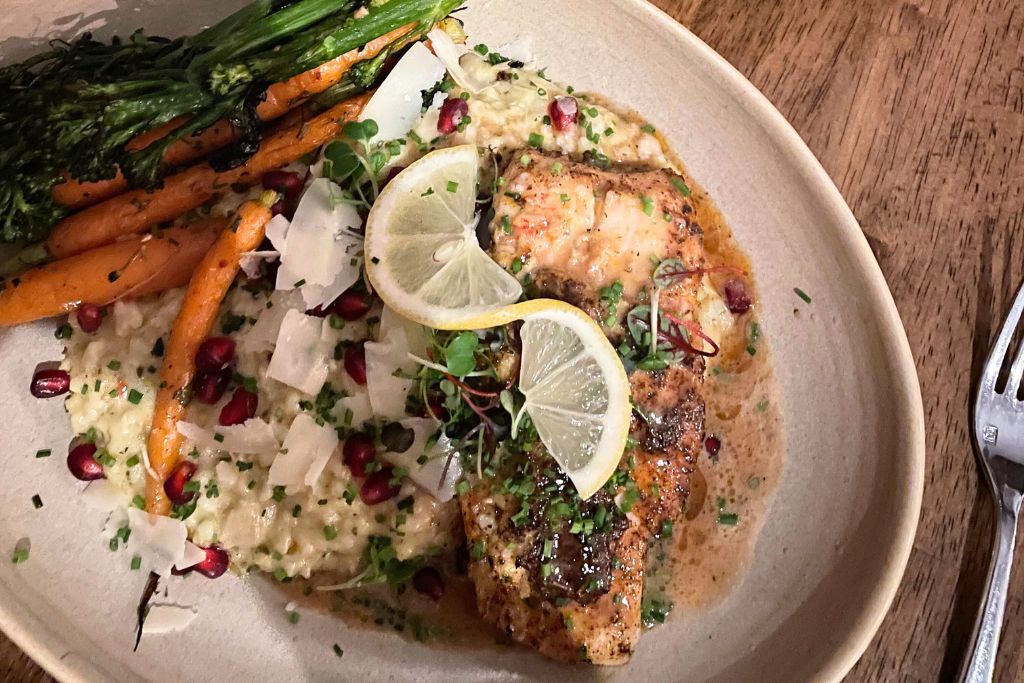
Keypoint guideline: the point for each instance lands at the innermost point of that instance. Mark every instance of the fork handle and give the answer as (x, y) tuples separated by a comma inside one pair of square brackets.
[(981, 665)]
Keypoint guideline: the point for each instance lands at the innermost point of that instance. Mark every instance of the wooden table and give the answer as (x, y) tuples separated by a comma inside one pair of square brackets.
[(916, 110)]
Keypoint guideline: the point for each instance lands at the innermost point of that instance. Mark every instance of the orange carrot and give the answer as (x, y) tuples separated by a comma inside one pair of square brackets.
[(209, 284), (133, 267), (137, 210), (280, 98)]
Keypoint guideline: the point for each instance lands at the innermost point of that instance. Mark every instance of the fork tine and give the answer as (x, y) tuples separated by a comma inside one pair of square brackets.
[(994, 362)]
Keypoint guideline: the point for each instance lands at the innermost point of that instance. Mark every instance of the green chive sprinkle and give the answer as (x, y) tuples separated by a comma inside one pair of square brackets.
[(802, 294)]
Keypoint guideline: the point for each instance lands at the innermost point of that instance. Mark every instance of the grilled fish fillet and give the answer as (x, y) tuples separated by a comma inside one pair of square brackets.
[(549, 581)]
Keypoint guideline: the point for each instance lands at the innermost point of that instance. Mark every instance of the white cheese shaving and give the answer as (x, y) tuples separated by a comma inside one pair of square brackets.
[(252, 436), (192, 556), (159, 541), (167, 618), (428, 476), (249, 261), (360, 406), (451, 55), (263, 334), (321, 252), (305, 453), (397, 103), (398, 337), (300, 354)]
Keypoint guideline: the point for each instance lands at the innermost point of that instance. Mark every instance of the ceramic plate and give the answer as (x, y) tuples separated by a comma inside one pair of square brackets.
[(839, 531)]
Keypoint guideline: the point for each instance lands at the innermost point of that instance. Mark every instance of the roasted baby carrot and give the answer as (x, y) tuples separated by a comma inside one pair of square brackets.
[(136, 266), (199, 309), (137, 210), (280, 98)]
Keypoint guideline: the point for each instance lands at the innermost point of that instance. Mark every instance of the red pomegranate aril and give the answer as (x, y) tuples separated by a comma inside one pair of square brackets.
[(564, 112), (712, 444), (355, 363), (90, 317), (452, 112), (278, 207), (83, 464), (378, 488), (240, 408), (351, 305), (428, 581), (215, 354), (51, 382), (358, 452), (208, 387), (174, 487), (736, 297), (288, 182)]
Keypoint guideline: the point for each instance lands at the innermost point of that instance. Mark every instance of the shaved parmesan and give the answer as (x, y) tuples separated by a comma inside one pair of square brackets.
[(321, 250), (192, 556), (431, 475), (398, 337), (250, 261), (300, 355), (452, 55), (159, 541), (252, 436), (397, 103), (305, 453), (166, 618), (358, 404), (263, 334)]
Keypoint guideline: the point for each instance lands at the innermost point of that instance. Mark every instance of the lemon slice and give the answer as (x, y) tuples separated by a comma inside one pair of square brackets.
[(576, 391), (422, 254)]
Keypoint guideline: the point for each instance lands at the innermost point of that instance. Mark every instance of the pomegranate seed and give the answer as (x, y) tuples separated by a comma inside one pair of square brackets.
[(712, 445), (377, 488), (209, 387), (287, 182), (564, 112), (428, 581), (90, 317), (358, 452), (83, 464), (452, 112), (215, 354), (50, 382), (736, 297), (355, 363), (278, 207), (213, 565), (351, 305), (240, 408), (174, 487)]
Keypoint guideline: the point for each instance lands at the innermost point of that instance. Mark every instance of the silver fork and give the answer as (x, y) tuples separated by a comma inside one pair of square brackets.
[(998, 430)]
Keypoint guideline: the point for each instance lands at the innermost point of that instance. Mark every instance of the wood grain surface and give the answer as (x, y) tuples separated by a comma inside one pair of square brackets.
[(916, 110)]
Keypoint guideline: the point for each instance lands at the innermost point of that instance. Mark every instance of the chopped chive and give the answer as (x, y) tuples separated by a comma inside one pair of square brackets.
[(63, 332), (43, 453), (647, 128), (139, 502), (37, 502), (680, 186), (452, 186), (114, 365), (728, 518), (20, 555), (218, 437), (293, 617), (648, 205), (337, 650), (802, 294), (556, 168), (134, 397), (330, 533), (136, 563), (132, 461), (536, 140)]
